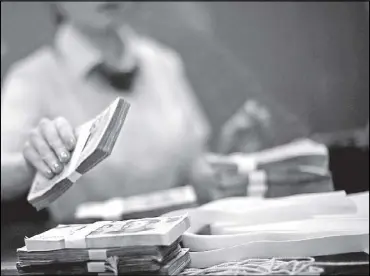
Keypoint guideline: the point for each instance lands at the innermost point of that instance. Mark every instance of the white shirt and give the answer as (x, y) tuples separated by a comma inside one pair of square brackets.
[(164, 132)]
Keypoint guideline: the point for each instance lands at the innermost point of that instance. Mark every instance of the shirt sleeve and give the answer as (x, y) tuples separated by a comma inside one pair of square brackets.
[(199, 124), (22, 106), (198, 129)]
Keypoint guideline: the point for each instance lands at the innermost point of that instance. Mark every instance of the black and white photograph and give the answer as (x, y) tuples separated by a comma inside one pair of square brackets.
[(185, 138)]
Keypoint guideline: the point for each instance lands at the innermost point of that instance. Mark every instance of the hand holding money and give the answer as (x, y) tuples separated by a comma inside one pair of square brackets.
[(284, 170), (94, 142), (248, 130), (214, 180), (49, 146)]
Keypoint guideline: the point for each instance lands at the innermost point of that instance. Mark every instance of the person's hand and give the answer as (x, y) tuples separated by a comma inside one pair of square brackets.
[(49, 146), (247, 130), (214, 179)]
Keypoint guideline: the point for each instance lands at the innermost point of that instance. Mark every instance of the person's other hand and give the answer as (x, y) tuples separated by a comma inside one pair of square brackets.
[(246, 130), (214, 180), (49, 146)]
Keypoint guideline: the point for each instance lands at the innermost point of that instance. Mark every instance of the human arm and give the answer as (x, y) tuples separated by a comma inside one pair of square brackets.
[(28, 142), (198, 170)]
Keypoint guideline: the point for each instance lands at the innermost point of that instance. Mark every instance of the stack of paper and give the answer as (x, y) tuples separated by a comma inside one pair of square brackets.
[(95, 142), (148, 205), (306, 225), (149, 246)]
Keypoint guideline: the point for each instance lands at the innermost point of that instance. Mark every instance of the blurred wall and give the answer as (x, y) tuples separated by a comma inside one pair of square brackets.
[(308, 60)]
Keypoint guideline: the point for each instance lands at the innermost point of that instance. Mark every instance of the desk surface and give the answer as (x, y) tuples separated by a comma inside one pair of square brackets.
[(346, 264)]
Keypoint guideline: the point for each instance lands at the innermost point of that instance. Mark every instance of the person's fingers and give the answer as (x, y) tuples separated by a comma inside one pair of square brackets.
[(32, 157), (66, 132), (50, 134), (257, 112), (45, 152), (203, 180), (238, 122), (224, 169)]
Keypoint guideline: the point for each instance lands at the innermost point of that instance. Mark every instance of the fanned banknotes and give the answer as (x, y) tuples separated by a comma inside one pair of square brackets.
[(96, 140)]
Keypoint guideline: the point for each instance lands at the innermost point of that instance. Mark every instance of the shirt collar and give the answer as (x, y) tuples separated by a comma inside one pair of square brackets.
[(78, 54), (81, 56)]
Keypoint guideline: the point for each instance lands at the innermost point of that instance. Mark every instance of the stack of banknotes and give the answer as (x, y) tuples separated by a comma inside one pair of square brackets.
[(96, 140), (149, 246), (138, 206), (301, 166)]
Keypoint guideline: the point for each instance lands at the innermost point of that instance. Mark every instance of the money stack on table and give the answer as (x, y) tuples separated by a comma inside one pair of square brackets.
[(149, 246), (146, 205), (301, 166)]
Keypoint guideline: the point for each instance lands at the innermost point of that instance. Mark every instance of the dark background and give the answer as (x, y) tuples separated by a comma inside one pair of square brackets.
[(310, 59)]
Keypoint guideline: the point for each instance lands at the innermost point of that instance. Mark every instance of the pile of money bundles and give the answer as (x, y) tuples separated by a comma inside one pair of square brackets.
[(149, 246)]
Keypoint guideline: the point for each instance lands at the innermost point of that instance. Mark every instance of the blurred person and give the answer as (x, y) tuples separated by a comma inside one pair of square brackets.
[(248, 130), (96, 57), (256, 127)]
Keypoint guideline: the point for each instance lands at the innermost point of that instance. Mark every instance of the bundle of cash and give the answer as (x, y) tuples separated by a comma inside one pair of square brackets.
[(148, 205), (150, 246), (297, 167), (95, 142), (71, 255), (302, 152)]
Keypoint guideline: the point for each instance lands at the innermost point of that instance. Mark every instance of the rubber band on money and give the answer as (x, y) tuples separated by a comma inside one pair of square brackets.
[(74, 176), (257, 184), (97, 254), (96, 267), (78, 239), (245, 164)]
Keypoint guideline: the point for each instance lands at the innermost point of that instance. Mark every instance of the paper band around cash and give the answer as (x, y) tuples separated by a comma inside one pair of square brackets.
[(96, 267), (78, 239), (74, 176), (245, 164), (257, 184), (258, 177), (97, 254)]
